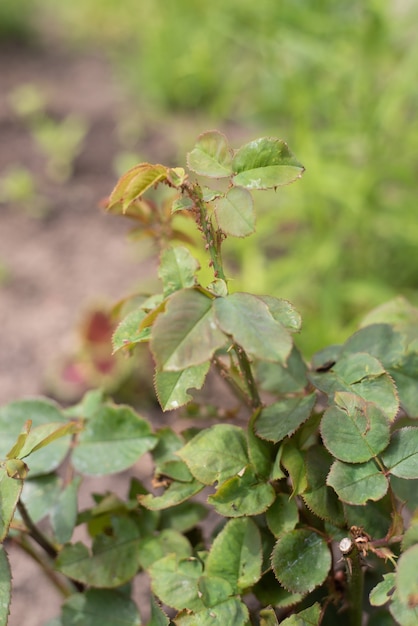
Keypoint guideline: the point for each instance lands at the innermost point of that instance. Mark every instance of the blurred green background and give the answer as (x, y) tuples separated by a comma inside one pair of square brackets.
[(336, 80)]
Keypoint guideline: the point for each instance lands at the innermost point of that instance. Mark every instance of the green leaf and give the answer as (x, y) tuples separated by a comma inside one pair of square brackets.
[(354, 430), (265, 163), (247, 319), (268, 617), (113, 560), (308, 617), (166, 542), (381, 594), (97, 607), (10, 490), (269, 591), (356, 484), (319, 498), (172, 387), (113, 440), (177, 269), (399, 313), (236, 554), (235, 213), (216, 453), (260, 452), (243, 494), (301, 560), (407, 577), (20, 441), (174, 581), (281, 379), (5, 587), (176, 493), (363, 375), (401, 456), (44, 435), (158, 617), (64, 513), (40, 411), (164, 454), (283, 418), (214, 590), (230, 611), (376, 517), (186, 333), (129, 331), (402, 613), (293, 461), (40, 494), (283, 515), (183, 517), (283, 312), (133, 185), (211, 156)]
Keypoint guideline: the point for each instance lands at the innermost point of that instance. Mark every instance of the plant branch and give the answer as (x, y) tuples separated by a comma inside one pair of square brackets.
[(355, 580), (35, 533), (245, 367)]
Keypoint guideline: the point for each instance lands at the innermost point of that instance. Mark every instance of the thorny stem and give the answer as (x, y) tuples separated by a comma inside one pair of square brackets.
[(245, 367), (35, 533), (355, 586)]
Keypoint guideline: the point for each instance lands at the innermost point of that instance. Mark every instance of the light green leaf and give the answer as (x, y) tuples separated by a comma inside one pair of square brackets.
[(211, 156), (10, 490), (216, 453), (177, 269), (183, 517), (172, 387), (301, 560), (64, 513), (283, 515), (158, 617), (40, 411), (45, 434), (133, 185), (5, 587), (268, 617), (236, 554), (363, 375), (20, 441), (113, 560), (235, 213), (186, 333), (308, 617), (247, 319), (293, 461), (243, 494), (166, 542), (214, 590), (381, 594), (407, 577), (283, 312), (356, 484), (113, 440), (265, 163), (404, 614), (129, 331), (354, 430), (174, 581), (176, 493), (283, 418), (96, 607), (40, 495), (401, 456), (318, 497), (230, 611)]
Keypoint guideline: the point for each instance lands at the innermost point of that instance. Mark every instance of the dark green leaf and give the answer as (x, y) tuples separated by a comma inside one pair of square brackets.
[(283, 515), (166, 542), (293, 461), (401, 457), (356, 484), (281, 379), (236, 554), (177, 269), (376, 517), (318, 497), (247, 319), (183, 517), (261, 453), (235, 213), (97, 607), (265, 163), (301, 560), (112, 562), (40, 495), (5, 587), (283, 418), (216, 453), (243, 494), (186, 333), (354, 430), (158, 617), (172, 387), (113, 439), (211, 156), (308, 617), (64, 513)]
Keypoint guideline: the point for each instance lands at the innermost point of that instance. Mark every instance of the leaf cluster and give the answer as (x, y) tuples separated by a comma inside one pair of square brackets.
[(317, 455)]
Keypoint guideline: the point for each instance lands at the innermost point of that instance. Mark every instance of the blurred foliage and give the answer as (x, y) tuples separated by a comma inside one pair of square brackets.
[(338, 80)]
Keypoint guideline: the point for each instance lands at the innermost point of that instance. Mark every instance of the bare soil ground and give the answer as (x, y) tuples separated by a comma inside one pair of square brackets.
[(60, 264)]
